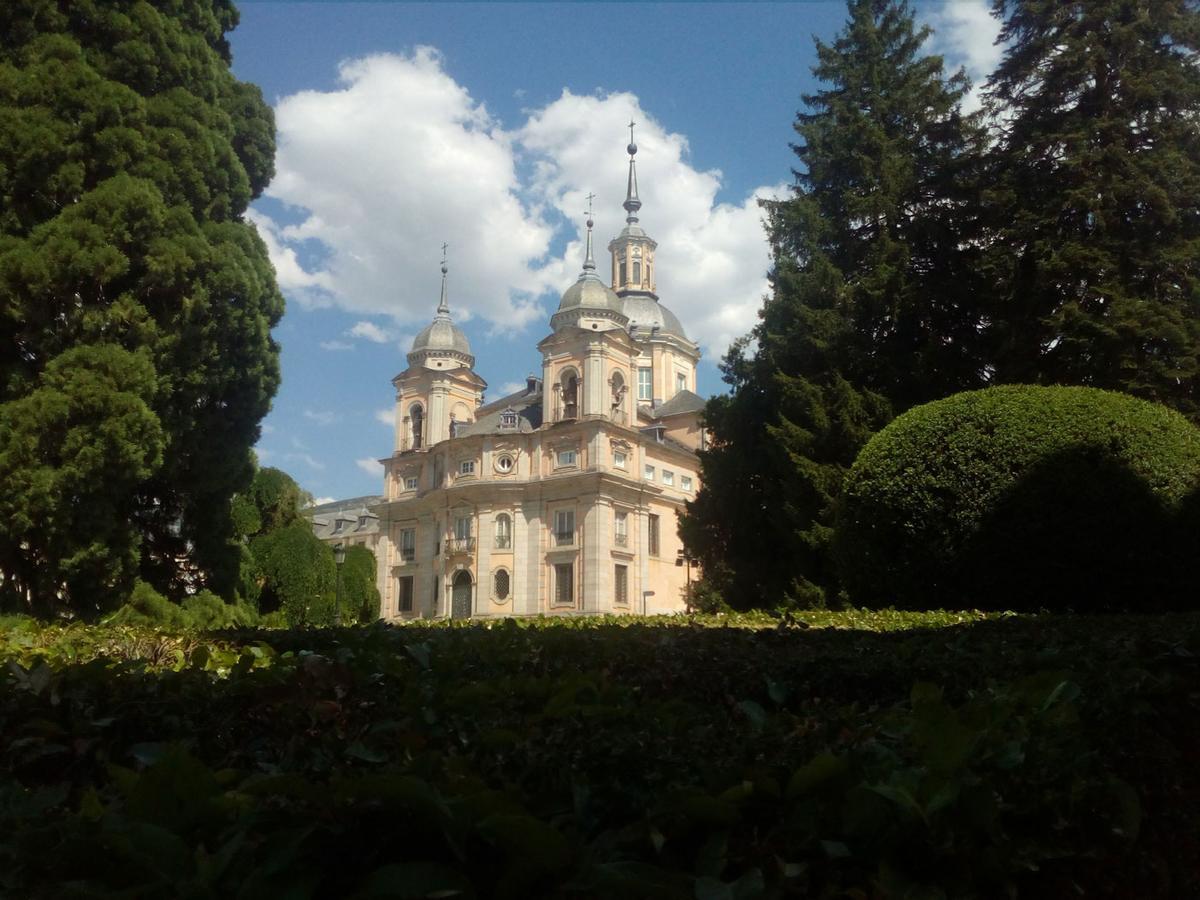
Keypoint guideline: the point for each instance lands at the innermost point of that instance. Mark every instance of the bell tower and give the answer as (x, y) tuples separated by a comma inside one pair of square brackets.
[(632, 250), (439, 390)]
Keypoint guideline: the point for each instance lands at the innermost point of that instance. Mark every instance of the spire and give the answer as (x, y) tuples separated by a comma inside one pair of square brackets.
[(589, 264), (443, 310), (632, 204)]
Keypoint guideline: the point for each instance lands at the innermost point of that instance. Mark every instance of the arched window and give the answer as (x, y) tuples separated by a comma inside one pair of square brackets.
[(416, 417), (500, 584), (503, 532), (621, 269), (637, 266), (570, 394), (618, 398)]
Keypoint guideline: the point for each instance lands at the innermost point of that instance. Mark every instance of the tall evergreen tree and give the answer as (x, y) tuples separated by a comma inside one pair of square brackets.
[(874, 305), (1096, 196), (128, 155)]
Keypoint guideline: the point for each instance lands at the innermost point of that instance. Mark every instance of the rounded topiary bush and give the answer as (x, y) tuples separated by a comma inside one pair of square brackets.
[(1024, 497)]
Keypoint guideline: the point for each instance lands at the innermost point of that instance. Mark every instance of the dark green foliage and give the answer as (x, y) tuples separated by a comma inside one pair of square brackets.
[(873, 308), (1025, 497), (360, 596), (607, 757), (1095, 197), (74, 450), (128, 154), (273, 500), (205, 610), (201, 611), (297, 572), (148, 607)]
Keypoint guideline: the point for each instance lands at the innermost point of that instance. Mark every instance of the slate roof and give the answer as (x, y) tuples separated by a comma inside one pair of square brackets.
[(525, 403), (682, 402), (344, 517)]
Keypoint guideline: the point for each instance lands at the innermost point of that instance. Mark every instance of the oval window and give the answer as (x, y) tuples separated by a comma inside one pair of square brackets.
[(504, 463), (501, 585)]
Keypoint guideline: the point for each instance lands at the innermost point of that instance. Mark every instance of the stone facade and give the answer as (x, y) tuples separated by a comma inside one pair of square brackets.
[(562, 498)]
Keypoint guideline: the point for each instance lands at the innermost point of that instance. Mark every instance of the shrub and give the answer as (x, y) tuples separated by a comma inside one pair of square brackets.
[(146, 606), (1023, 497), (297, 574), (206, 610)]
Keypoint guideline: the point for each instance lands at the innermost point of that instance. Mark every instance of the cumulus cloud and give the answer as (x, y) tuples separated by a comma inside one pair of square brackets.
[(307, 458), (369, 331), (386, 416), (396, 161), (372, 467), (401, 157), (965, 33), (712, 257), (322, 417), (321, 501)]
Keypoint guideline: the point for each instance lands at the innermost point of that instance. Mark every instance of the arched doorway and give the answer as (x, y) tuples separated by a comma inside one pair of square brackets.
[(460, 597)]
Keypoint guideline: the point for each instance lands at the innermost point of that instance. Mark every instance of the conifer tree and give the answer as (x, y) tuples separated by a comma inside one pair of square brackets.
[(128, 155), (1096, 196), (874, 306)]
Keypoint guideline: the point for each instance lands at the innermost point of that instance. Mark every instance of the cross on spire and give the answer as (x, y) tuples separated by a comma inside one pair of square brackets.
[(589, 264)]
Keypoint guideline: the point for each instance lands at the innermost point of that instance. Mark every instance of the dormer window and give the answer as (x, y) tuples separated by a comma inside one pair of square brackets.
[(508, 418)]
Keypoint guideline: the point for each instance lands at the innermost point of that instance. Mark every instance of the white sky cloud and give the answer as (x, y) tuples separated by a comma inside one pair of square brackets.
[(398, 160), (509, 387), (321, 501), (712, 257), (336, 345), (322, 417), (369, 331), (307, 458), (372, 467), (386, 416), (965, 34), (401, 157)]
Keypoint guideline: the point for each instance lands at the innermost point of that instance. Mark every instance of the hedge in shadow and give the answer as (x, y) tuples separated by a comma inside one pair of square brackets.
[(1025, 497)]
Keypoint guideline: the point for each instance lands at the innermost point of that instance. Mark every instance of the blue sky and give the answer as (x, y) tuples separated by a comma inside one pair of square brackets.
[(405, 125)]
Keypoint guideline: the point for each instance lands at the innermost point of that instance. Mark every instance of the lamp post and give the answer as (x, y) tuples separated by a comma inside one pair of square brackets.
[(339, 557)]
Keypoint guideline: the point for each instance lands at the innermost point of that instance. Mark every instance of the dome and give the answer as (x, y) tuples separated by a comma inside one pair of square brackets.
[(441, 335), (646, 313), (590, 293)]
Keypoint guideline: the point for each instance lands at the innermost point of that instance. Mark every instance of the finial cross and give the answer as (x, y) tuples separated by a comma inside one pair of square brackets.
[(631, 124), (590, 198), (444, 246)]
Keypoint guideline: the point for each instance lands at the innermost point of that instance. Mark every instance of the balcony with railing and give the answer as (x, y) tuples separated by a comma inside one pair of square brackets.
[(460, 545)]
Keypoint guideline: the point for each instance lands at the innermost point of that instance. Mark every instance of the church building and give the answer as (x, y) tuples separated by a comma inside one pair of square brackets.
[(562, 498)]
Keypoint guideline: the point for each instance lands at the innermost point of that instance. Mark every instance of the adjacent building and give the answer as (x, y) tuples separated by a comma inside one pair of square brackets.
[(561, 498)]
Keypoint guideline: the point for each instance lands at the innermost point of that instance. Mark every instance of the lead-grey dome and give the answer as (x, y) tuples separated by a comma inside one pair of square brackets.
[(441, 337), (647, 314), (590, 293), (441, 334)]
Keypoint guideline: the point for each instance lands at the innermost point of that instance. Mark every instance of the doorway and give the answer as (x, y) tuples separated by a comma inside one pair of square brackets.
[(460, 598)]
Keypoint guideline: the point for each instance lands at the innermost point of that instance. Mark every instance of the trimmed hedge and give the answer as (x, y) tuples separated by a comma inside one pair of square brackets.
[(1025, 497)]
